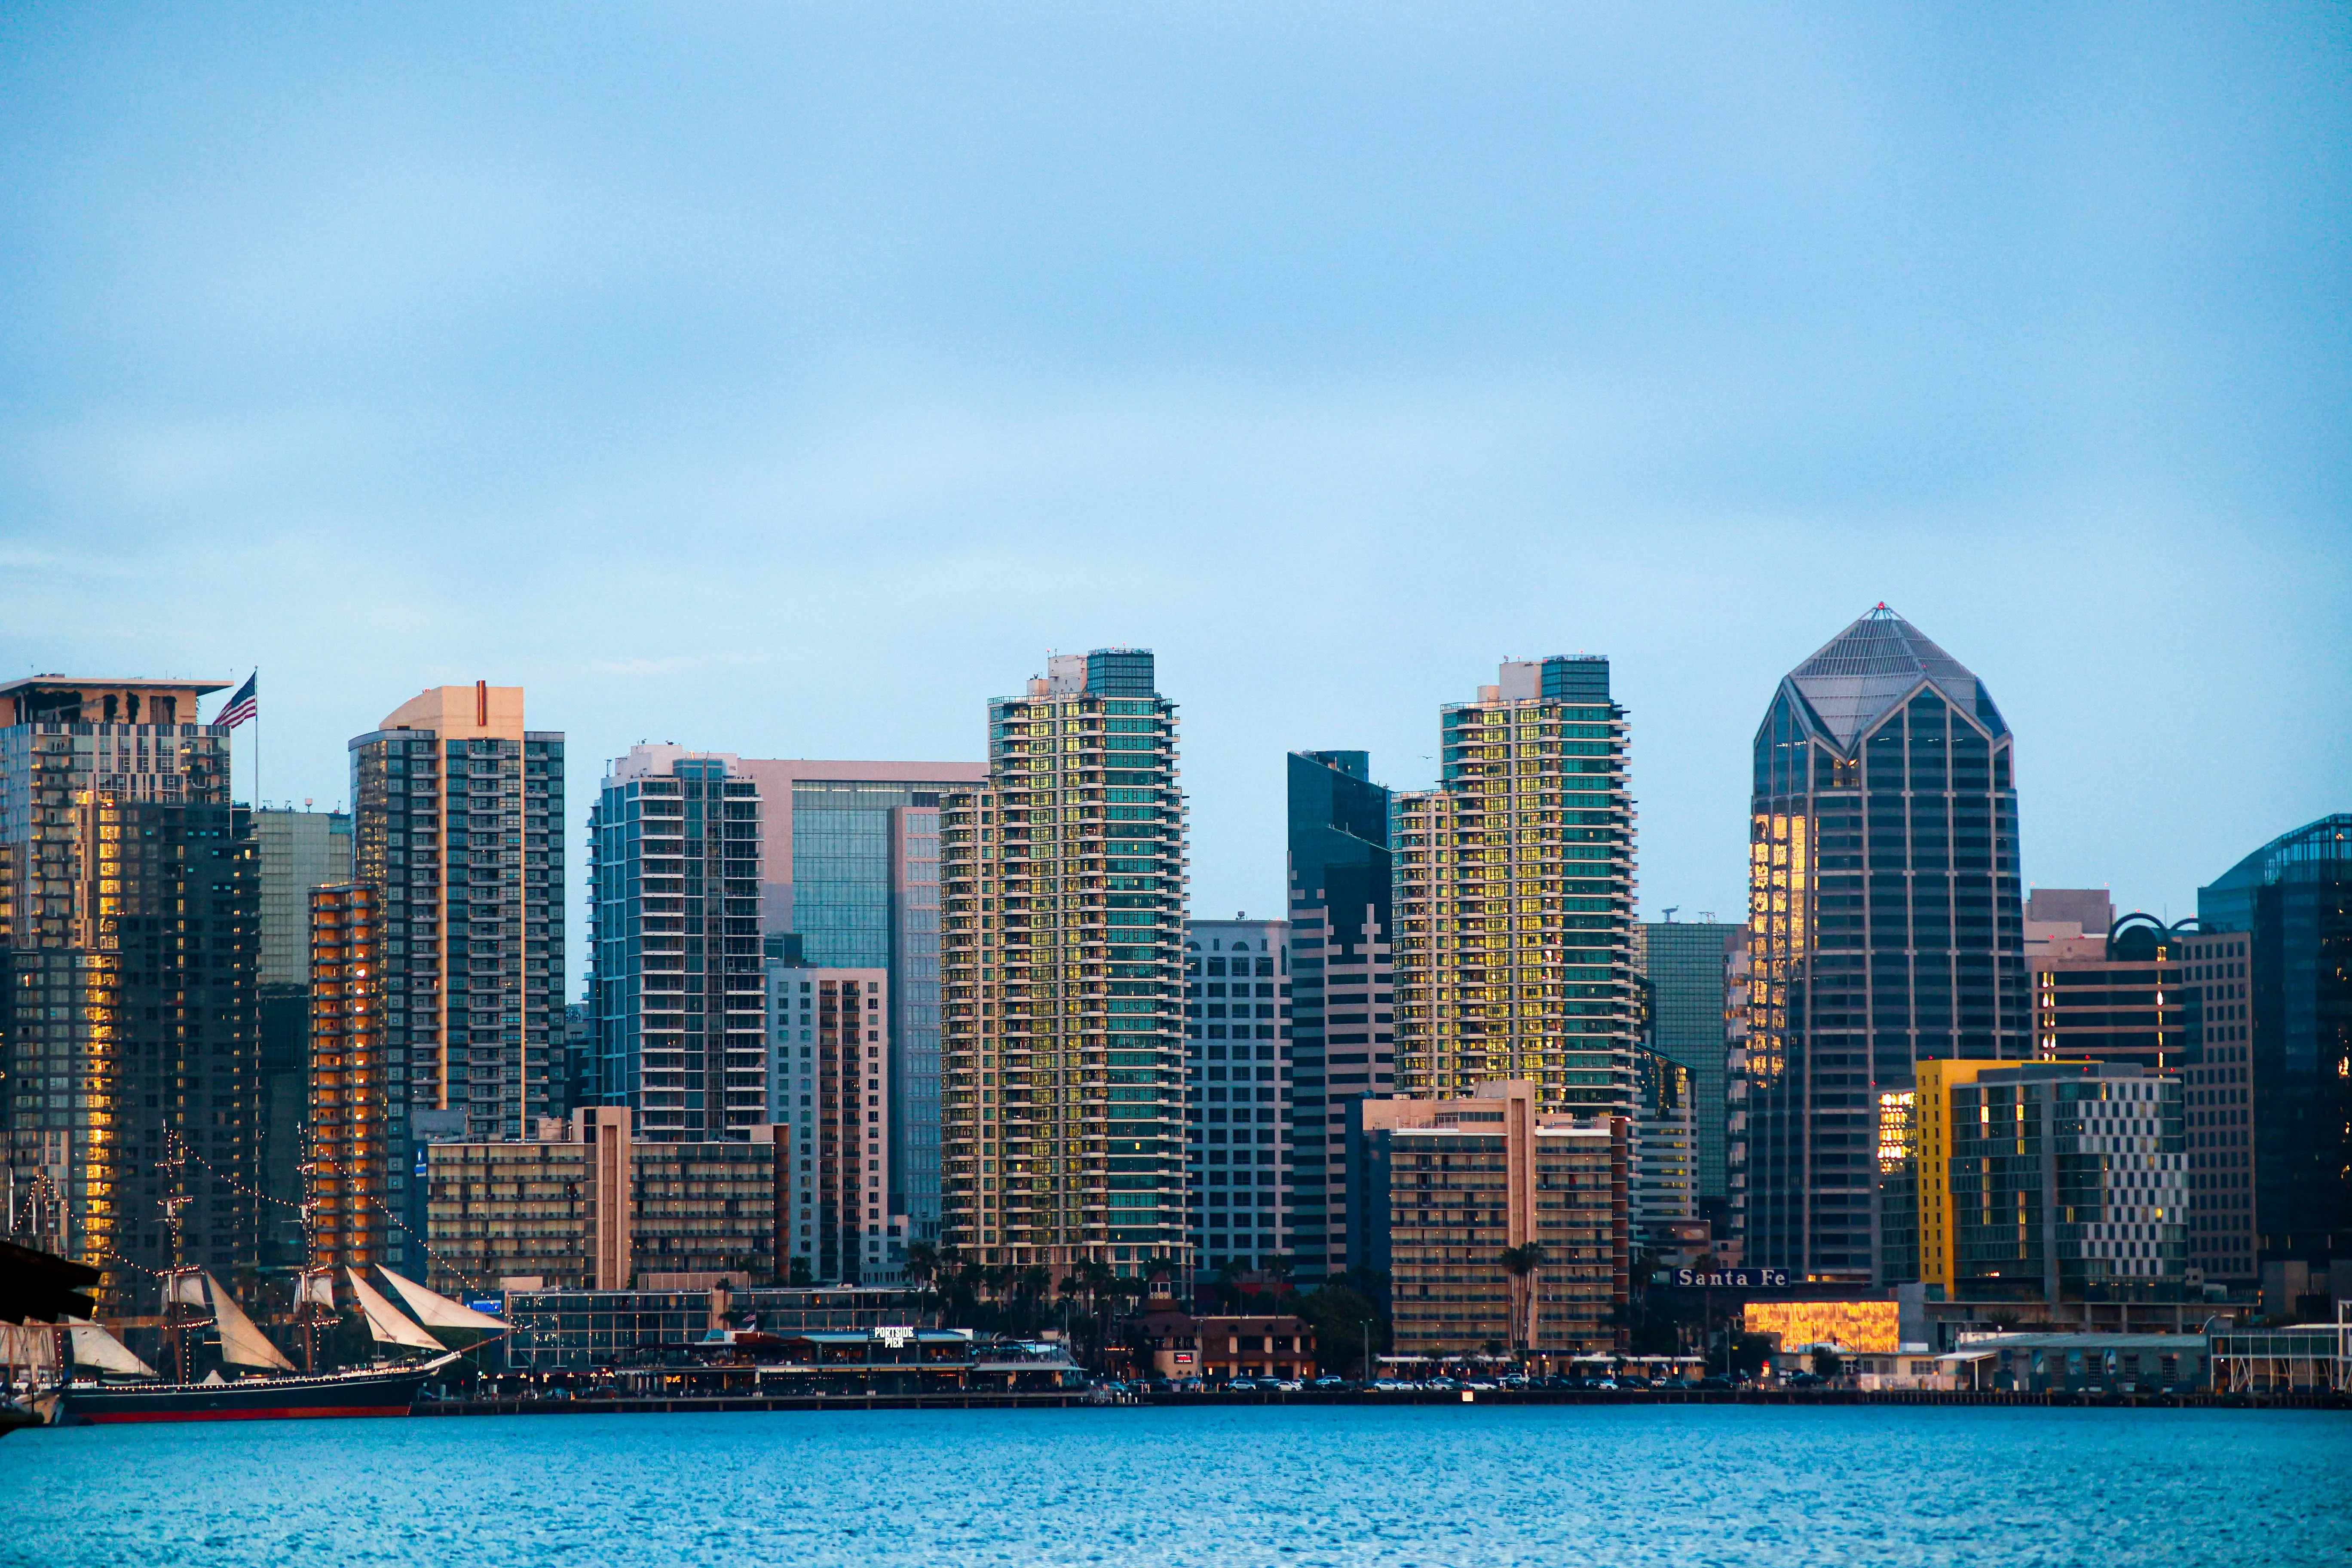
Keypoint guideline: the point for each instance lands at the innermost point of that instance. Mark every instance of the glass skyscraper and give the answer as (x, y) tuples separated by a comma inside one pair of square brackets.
[(2285, 1007), (1884, 926), (1685, 963), (851, 871), (1343, 1045), (1515, 898), (1064, 885)]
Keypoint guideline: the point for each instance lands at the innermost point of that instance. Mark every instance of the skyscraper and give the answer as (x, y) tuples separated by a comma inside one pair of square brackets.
[(1883, 925), (1064, 887), (830, 1070), (295, 852), (1236, 993), (129, 1014), (349, 1148), (1514, 897), (458, 818), (850, 865), (674, 945), (1343, 1030), (1684, 962), (2293, 1000)]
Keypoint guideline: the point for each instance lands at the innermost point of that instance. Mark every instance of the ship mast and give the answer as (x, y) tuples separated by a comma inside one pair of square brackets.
[(176, 1324)]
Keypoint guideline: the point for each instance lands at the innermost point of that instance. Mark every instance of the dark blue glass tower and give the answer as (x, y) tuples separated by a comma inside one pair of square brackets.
[(1343, 1041), (1884, 928), (2293, 897)]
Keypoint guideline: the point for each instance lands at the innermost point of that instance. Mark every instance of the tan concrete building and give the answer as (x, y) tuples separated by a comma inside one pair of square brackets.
[(830, 1081), (588, 1206), (1467, 1179), (457, 817)]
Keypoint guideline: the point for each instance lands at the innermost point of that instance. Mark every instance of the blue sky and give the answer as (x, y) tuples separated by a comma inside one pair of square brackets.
[(788, 381)]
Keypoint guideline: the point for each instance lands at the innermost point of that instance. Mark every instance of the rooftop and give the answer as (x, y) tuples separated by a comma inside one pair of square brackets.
[(1865, 671)]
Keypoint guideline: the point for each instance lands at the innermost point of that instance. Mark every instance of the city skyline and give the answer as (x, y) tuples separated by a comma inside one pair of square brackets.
[(828, 358)]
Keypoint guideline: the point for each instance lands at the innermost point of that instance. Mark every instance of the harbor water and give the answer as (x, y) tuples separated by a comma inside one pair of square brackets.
[(1429, 1487)]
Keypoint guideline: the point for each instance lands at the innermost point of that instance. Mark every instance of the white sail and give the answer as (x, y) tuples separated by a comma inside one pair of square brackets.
[(384, 1319), (33, 1347), (242, 1342), (315, 1291), (436, 1310), (93, 1346), (185, 1289)]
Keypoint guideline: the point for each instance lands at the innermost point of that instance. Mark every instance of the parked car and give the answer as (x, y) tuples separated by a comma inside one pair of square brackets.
[(1805, 1380), (1480, 1385), (1602, 1384), (1632, 1379), (1331, 1382), (1672, 1385), (1390, 1385), (1241, 1385), (1715, 1382), (1287, 1384)]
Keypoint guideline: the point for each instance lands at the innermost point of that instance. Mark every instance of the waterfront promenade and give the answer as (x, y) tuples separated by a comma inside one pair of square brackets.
[(1799, 1398)]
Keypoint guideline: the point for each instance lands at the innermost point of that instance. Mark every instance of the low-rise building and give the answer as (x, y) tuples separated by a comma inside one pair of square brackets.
[(588, 1206), (1262, 1346), (2081, 1364), (561, 1329), (1508, 1229)]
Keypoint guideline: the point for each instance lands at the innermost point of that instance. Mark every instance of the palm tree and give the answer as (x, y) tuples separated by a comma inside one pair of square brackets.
[(1523, 1263)]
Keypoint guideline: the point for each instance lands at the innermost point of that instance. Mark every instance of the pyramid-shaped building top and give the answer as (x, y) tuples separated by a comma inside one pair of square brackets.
[(1872, 666)]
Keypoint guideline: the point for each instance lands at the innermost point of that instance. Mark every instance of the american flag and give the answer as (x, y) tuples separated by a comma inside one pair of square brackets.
[(241, 706)]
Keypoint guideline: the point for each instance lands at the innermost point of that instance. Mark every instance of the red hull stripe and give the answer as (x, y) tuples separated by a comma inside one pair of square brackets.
[(280, 1414)]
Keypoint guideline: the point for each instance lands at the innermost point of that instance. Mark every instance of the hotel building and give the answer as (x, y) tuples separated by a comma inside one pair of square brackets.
[(1465, 1179)]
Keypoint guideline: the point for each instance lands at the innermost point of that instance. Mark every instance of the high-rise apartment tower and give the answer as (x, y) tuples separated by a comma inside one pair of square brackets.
[(1514, 897), (1064, 886), (458, 818), (129, 1050), (674, 945)]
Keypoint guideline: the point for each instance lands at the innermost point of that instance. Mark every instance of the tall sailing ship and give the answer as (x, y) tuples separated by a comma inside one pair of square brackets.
[(111, 1384)]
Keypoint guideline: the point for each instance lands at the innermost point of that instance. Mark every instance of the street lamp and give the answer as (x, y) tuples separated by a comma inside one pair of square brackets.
[(1368, 1350)]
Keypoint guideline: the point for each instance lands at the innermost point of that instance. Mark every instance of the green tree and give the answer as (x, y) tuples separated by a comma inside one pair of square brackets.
[(1524, 1264), (1826, 1364), (1339, 1315)]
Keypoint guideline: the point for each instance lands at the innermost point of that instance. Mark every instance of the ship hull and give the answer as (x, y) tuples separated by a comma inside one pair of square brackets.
[(392, 1392)]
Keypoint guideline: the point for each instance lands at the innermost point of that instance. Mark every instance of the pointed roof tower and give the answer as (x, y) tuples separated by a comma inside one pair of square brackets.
[(1870, 668)]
